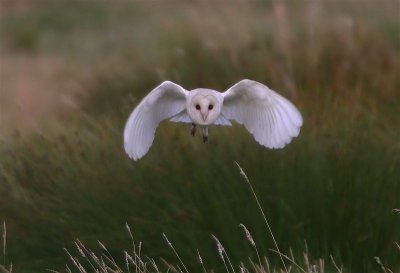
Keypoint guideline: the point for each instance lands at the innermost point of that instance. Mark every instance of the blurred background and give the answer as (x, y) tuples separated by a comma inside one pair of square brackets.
[(72, 71)]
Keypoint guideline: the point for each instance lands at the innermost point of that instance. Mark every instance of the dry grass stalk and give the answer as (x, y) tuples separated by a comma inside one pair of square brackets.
[(153, 263), (170, 266), (266, 262), (201, 261), (248, 235), (108, 256), (221, 250), (176, 253), (263, 214), (339, 270), (253, 243), (133, 242), (290, 260), (138, 256), (243, 269), (383, 268)]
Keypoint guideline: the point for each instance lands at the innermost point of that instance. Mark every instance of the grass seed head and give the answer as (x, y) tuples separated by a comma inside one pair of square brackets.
[(220, 248), (248, 235)]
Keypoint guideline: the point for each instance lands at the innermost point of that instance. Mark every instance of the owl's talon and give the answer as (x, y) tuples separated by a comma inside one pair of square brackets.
[(205, 139), (193, 129)]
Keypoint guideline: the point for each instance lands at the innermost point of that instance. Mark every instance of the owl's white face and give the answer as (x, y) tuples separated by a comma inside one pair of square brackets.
[(204, 106)]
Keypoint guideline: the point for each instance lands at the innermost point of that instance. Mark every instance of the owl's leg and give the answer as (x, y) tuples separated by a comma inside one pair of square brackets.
[(193, 129), (205, 134)]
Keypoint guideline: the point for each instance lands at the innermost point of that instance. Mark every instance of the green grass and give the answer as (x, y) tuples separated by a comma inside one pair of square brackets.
[(334, 187), (47, 24)]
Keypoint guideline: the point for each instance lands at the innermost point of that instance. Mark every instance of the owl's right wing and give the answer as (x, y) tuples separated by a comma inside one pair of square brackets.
[(165, 101), (269, 117)]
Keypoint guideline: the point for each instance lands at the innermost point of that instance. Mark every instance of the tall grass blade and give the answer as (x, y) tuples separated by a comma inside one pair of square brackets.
[(176, 253), (263, 214)]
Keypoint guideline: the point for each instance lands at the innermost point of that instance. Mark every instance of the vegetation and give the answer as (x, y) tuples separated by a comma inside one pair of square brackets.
[(330, 193)]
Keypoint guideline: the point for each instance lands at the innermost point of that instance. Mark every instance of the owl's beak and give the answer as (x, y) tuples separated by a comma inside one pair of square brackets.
[(204, 116)]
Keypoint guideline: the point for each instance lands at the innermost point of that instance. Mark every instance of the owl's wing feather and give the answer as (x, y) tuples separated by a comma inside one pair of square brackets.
[(165, 101), (221, 120), (182, 117), (269, 117)]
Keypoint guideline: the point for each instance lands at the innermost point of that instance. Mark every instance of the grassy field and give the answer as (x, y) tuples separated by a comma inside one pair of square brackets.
[(71, 73)]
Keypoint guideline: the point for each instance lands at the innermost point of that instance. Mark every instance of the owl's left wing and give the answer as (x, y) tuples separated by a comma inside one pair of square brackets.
[(272, 119), (165, 101)]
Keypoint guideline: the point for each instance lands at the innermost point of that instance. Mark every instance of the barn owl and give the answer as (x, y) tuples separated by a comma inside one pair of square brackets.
[(270, 118)]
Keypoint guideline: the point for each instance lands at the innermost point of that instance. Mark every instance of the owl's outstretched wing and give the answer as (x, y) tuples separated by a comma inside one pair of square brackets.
[(165, 101), (272, 119)]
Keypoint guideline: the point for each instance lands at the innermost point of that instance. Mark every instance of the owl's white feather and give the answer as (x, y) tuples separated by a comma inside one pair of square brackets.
[(165, 101), (269, 117)]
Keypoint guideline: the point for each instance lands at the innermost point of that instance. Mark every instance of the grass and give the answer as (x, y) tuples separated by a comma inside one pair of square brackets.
[(86, 260), (334, 187), (104, 262)]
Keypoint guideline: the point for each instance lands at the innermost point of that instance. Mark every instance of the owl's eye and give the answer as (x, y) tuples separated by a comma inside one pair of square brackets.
[(197, 106), (210, 107)]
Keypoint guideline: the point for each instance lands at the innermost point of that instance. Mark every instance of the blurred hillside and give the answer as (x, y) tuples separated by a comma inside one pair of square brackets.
[(72, 71)]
